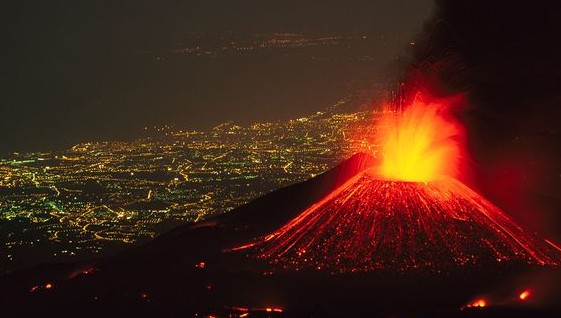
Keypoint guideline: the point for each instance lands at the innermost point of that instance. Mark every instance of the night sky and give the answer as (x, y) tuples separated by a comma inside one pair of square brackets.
[(75, 71)]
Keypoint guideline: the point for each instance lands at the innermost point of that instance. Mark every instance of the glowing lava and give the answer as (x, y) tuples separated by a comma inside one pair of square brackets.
[(479, 303), (408, 213), (421, 142), (371, 224)]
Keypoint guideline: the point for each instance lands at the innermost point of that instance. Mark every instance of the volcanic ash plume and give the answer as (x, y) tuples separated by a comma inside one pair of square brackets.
[(407, 213)]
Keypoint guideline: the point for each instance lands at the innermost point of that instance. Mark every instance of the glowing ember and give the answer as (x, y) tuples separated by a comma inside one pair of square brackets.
[(38, 287), (245, 311), (85, 271), (144, 296), (478, 303), (524, 295), (422, 142)]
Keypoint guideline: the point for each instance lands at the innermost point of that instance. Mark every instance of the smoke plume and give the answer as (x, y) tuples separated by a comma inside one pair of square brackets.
[(506, 57)]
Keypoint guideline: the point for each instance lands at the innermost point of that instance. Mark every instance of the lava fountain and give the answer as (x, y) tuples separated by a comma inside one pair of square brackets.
[(421, 142), (409, 212)]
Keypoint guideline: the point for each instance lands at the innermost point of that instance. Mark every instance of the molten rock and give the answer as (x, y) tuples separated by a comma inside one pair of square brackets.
[(370, 224)]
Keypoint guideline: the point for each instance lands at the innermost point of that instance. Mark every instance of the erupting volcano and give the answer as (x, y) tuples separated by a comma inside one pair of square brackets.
[(409, 212)]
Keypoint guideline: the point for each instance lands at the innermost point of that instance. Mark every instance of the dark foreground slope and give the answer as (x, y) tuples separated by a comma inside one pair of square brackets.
[(192, 271)]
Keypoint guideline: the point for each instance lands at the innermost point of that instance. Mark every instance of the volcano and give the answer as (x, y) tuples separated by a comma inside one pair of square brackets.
[(409, 211), (370, 224)]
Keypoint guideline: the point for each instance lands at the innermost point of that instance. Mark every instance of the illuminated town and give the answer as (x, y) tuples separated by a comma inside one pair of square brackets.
[(296, 45), (101, 196)]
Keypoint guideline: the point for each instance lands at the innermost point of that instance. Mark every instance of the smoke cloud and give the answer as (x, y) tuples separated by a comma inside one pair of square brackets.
[(506, 57)]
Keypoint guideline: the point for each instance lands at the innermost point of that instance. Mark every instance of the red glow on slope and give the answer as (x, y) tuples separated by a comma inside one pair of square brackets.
[(245, 311), (479, 303), (371, 224), (39, 287), (82, 271)]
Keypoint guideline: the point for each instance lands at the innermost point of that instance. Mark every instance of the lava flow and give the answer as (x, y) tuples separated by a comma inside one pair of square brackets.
[(409, 212)]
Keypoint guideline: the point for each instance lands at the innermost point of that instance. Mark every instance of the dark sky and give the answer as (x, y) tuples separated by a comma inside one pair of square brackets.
[(76, 71)]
